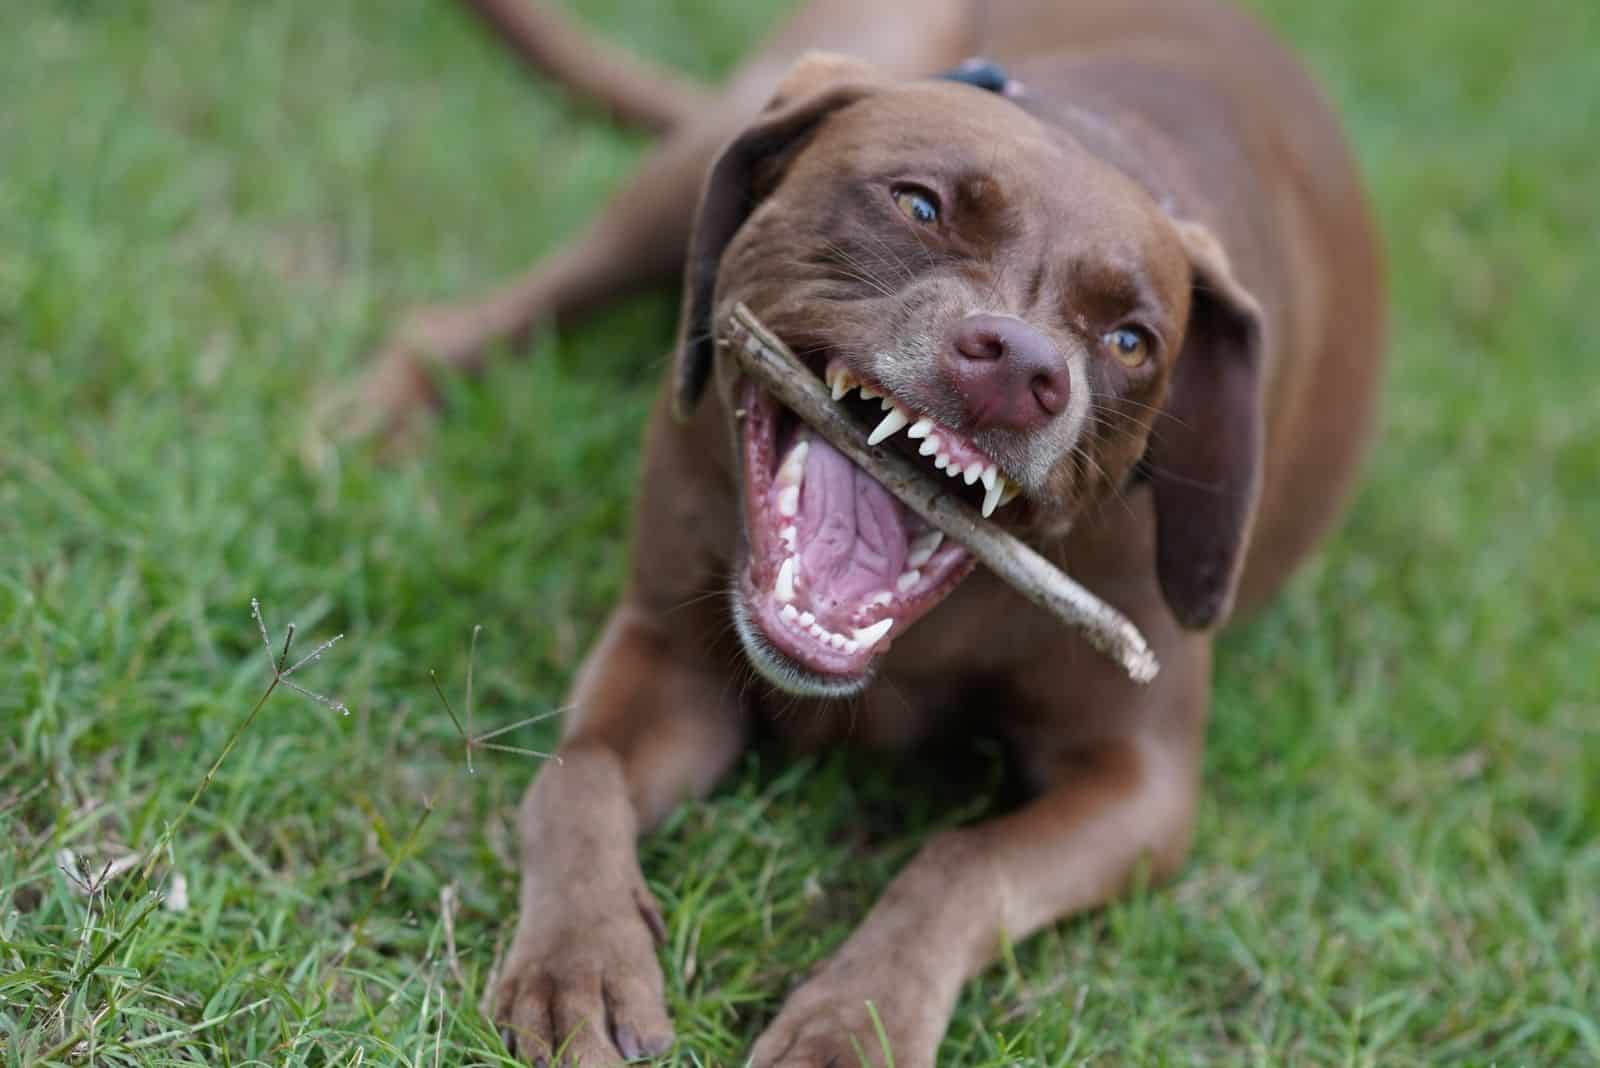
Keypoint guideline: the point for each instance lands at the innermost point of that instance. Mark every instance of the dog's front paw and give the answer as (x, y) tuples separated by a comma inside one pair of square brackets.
[(827, 1023), (582, 986)]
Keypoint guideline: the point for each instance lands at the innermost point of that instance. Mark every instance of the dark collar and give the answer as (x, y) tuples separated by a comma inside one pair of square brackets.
[(983, 74)]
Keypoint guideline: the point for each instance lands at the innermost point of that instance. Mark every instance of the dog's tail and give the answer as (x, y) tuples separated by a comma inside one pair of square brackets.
[(633, 90)]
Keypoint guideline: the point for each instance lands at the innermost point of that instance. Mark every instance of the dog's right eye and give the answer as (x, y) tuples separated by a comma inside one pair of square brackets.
[(1130, 345), (916, 204)]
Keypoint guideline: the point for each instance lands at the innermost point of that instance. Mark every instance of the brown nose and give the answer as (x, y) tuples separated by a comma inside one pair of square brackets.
[(1009, 375)]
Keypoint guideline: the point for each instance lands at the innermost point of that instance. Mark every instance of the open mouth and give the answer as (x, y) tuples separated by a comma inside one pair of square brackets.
[(838, 567)]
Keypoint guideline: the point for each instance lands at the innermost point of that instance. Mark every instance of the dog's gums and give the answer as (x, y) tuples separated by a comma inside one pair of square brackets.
[(837, 566)]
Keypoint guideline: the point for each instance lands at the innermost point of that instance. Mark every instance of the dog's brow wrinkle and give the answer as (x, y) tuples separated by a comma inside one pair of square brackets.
[(1035, 286)]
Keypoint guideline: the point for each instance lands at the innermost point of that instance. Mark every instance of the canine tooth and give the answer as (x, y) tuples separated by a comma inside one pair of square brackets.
[(789, 613), (921, 428), (806, 619), (892, 423), (793, 471), (784, 590), (868, 393), (843, 382), (924, 547), (990, 474), (974, 469), (991, 499), (870, 636), (789, 501), (1013, 491), (908, 580)]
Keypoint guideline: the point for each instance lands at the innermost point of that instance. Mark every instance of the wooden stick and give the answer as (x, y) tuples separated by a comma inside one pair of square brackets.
[(769, 361)]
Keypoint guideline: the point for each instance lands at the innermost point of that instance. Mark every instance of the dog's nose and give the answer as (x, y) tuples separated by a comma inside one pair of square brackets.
[(1009, 375)]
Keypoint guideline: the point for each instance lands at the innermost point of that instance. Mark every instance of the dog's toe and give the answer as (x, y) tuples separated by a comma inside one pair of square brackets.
[(810, 1050), (824, 1025)]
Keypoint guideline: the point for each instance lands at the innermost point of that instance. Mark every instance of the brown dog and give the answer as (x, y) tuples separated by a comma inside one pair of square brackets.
[(1136, 283)]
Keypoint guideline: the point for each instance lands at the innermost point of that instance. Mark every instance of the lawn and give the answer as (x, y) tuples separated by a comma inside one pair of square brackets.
[(208, 211)]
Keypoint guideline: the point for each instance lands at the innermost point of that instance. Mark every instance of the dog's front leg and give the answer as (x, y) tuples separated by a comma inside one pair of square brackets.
[(652, 723), (1112, 807)]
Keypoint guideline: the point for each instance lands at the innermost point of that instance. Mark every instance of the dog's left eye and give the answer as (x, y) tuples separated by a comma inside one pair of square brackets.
[(916, 204), (1130, 346)]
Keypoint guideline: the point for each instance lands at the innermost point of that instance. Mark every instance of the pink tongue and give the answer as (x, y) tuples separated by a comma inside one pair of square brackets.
[(852, 535)]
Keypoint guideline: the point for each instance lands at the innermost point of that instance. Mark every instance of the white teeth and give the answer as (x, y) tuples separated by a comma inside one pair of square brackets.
[(908, 580), (793, 471), (997, 489), (784, 590), (991, 499), (790, 536), (870, 636), (839, 380), (807, 623), (924, 547), (881, 597), (789, 501), (891, 424)]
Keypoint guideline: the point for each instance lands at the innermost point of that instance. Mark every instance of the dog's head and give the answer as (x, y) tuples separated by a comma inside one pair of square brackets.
[(990, 298)]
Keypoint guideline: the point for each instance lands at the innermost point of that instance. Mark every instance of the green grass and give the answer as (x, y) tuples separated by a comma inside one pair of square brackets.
[(209, 210)]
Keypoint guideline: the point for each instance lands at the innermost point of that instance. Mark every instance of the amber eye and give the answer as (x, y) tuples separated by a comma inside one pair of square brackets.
[(918, 205), (1131, 347)]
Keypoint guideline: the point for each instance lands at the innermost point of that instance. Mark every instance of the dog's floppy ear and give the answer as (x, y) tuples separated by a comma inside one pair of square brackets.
[(1204, 459), (818, 84)]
